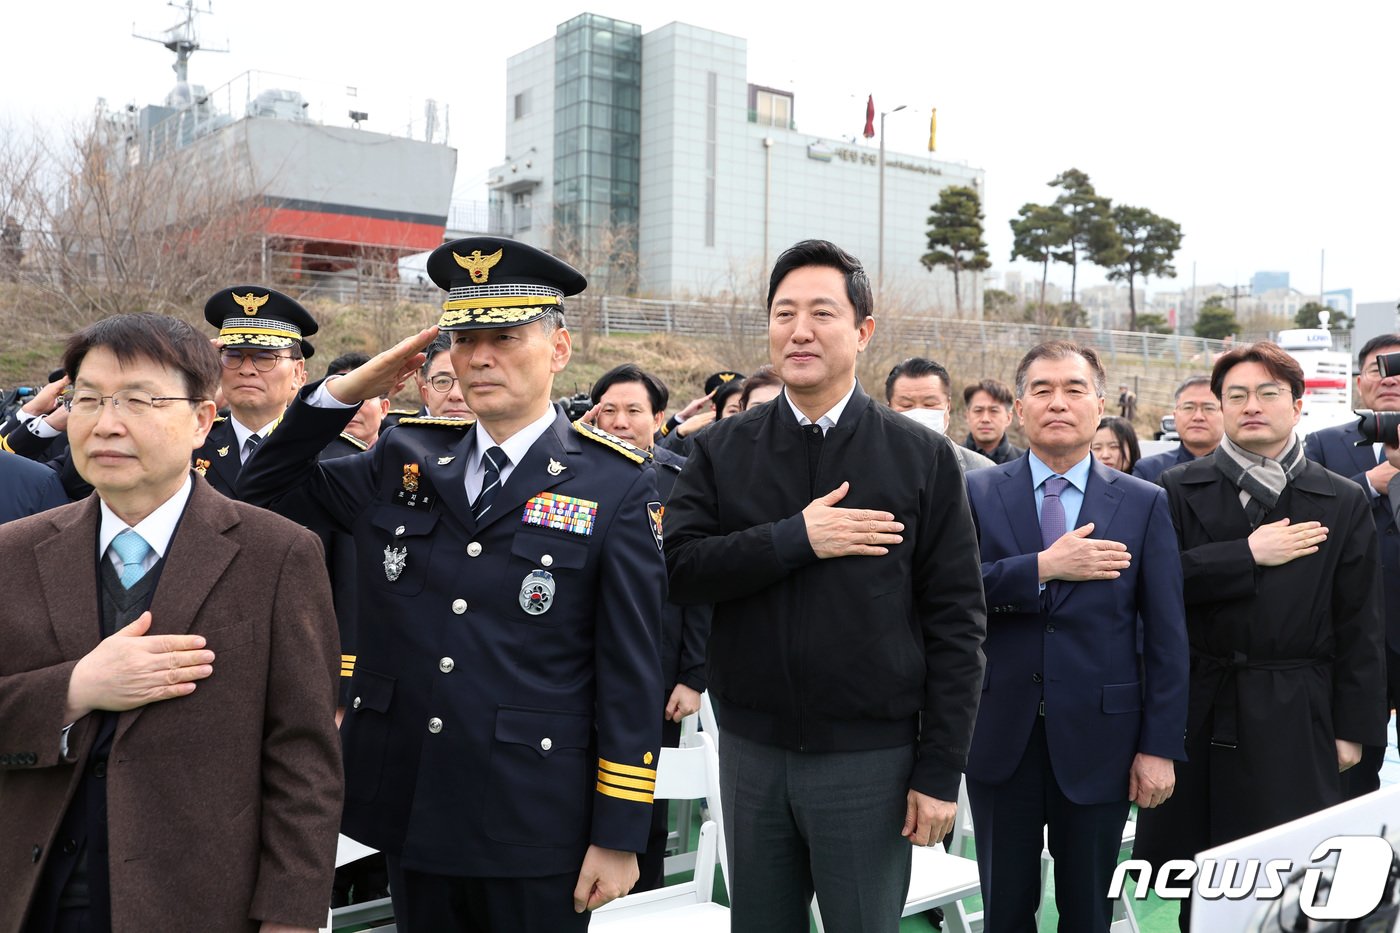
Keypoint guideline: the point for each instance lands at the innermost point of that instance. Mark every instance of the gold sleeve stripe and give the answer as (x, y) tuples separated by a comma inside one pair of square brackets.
[(605, 765), (5, 445), (624, 794), (637, 783), (349, 657)]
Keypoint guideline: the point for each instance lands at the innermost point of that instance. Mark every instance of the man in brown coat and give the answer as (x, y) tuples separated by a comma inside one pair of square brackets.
[(168, 756)]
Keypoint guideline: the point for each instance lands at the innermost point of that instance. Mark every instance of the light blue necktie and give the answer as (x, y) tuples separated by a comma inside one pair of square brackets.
[(132, 550)]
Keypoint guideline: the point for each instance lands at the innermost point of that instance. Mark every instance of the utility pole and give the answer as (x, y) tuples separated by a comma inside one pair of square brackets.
[(880, 262)]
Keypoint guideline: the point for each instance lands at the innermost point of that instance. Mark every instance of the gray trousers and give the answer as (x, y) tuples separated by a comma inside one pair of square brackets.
[(799, 822)]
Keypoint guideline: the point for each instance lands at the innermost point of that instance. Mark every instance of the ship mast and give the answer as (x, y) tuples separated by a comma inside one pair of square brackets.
[(181, 38)]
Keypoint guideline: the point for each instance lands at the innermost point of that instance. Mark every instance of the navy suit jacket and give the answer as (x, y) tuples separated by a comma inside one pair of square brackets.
[(1151, 468), (1335, 449), (1078, 652)]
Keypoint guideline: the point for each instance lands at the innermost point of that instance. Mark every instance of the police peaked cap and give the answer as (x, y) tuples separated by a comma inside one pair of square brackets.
[(491, 282), (254, 317)]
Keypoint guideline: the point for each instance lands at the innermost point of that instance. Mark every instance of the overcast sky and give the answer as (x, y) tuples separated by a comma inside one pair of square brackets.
[(1267, 130)]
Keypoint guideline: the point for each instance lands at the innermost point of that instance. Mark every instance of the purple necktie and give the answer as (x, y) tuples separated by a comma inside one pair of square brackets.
[(1052, 520)]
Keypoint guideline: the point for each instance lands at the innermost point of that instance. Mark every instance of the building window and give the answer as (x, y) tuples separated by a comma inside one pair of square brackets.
[(770, 107), (521, 208), (522, 104)]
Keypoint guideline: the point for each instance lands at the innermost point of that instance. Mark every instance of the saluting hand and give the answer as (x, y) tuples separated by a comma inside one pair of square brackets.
[(1279, 542), (1076, 556), (46, 399), (384, 374), (834, 532), (130, 669)]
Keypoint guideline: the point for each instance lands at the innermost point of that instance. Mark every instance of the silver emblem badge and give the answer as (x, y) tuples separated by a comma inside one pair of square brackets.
[(555, 467), (444, 461), (537, 592), (394, 560)]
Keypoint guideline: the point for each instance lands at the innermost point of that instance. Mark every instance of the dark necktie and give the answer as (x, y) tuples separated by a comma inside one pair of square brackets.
[(1052, 520), (250, 445), (493, 460)]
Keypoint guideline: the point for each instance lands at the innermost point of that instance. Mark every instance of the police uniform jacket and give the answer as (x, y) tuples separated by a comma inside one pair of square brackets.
[(684, 629), (481, 739), (26, 488), (57, 457)]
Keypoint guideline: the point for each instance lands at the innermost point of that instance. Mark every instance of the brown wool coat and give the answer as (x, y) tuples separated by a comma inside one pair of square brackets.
[(223, 806)]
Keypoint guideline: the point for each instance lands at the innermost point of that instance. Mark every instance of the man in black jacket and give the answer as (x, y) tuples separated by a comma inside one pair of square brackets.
[(834, 538)]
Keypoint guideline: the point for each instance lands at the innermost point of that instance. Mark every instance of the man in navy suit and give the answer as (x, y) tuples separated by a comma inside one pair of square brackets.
[(1337, 449), (1074, 723), (1199, 423)]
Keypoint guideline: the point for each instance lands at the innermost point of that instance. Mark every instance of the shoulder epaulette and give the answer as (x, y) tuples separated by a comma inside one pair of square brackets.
[(358, 444), (403, 412), (459, 423), (616, 444), (220, 419), (275, 424)]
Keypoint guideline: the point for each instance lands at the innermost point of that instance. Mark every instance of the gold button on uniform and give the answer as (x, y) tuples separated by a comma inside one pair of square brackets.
[(546, 743), (434, 725), (474, 549), (459, 606), (446, 665)]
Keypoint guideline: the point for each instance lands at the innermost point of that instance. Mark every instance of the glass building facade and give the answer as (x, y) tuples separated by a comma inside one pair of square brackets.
[(597, 132)]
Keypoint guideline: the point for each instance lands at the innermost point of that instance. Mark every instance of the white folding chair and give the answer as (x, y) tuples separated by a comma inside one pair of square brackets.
[(361, 916), (686, 773)]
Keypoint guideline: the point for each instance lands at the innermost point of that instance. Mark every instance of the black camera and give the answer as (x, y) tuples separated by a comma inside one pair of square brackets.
[(15, 399), (1379, 427), (576, 405), (1388, 364)]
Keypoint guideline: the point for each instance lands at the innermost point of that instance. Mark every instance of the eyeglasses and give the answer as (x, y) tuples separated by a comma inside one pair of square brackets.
[(1205, 408), (1265, 394), (442, 382), (132, 402), (264, 361)]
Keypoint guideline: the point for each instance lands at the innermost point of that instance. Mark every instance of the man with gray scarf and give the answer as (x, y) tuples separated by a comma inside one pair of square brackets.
[(1283, 611)]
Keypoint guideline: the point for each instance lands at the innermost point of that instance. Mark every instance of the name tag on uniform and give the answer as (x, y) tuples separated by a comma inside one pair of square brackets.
[(562, 513)]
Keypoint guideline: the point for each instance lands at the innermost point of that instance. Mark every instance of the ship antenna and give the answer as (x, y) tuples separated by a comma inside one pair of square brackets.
[(181, 38)]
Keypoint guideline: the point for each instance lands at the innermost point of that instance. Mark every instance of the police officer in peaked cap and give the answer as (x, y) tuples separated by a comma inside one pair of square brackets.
[(263, 349), (501, 740)]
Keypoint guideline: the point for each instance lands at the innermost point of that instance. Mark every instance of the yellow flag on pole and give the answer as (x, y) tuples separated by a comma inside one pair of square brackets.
[(932, 129)]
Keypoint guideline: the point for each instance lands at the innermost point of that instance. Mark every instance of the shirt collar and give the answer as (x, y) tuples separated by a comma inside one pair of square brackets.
[(515, 447), (156, 528), (243, 433), (1078, 475), (828, 420)]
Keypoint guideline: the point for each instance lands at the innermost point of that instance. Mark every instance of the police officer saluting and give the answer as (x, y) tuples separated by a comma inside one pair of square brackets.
[(502, 738)]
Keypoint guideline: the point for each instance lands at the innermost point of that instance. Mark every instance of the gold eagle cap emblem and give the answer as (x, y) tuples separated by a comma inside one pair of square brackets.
[(727, 377), (250, 303), (478, 265)]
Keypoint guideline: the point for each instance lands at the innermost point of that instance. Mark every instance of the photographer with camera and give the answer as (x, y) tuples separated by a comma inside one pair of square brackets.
[(1354, 450)]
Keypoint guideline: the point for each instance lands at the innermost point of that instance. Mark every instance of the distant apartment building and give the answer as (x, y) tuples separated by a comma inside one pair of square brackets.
[(1261, 282), (655, 149)]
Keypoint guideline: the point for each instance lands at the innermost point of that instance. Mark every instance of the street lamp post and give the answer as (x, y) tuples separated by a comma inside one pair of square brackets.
[(880, 261), (767, 210)]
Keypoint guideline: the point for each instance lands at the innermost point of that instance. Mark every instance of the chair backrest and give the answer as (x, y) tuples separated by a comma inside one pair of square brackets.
[(708, 722)]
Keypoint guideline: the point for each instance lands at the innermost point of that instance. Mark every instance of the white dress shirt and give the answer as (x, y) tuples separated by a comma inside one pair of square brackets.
[(827, 421), (156, 528), (515, 448)]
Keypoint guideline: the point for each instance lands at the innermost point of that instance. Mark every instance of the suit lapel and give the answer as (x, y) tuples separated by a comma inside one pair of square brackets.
[(227, 464), (449, 480), (198, 556), (68, 580), (1018, 499), (1102, 496), (1215, 502), (533, 474)]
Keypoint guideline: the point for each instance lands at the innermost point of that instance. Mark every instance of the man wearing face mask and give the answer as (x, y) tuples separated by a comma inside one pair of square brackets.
[(922, 385)]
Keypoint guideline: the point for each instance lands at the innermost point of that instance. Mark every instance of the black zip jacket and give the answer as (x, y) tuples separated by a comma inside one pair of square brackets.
[(849, 653)]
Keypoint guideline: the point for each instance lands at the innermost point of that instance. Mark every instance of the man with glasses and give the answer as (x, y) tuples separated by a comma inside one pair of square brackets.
[(168, 757), (263, 349), (1342, 450), (1283, 598), (1199, 424), (439, 386)]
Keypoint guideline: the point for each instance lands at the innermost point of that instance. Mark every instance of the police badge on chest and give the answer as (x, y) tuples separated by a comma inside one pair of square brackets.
[(395, 559)]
